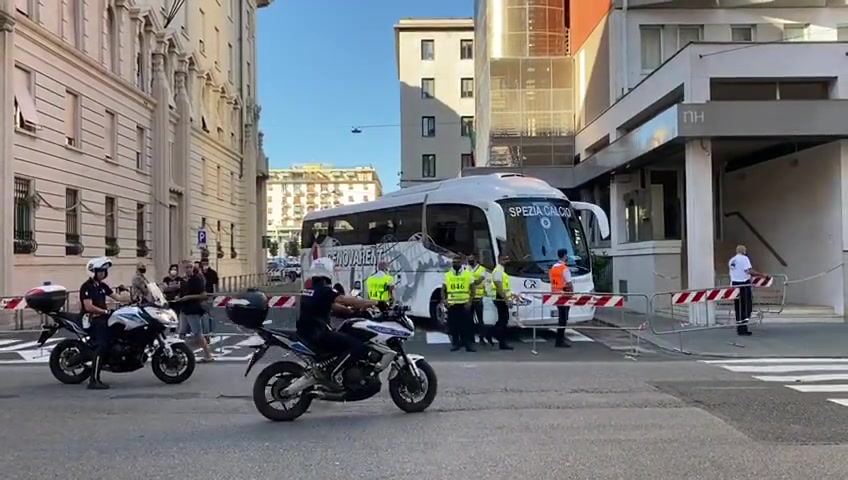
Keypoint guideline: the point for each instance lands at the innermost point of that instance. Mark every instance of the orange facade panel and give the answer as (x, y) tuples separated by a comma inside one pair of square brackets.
[(584, 16)]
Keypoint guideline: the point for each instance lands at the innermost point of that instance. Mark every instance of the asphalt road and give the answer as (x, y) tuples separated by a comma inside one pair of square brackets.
[(578, 420)]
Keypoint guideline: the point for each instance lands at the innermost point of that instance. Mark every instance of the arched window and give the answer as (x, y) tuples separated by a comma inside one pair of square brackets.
[(139, 61)]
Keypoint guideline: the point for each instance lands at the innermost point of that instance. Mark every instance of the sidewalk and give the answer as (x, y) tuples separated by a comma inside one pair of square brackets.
[(771, 340)]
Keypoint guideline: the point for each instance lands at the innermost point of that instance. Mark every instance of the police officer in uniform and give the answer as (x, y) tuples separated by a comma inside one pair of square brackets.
[(93, 294), (501, 292), (479, 274), (560, 277), (380, 285), (457, 292)]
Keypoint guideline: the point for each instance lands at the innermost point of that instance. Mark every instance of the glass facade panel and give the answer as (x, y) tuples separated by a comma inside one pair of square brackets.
[(524, 83)]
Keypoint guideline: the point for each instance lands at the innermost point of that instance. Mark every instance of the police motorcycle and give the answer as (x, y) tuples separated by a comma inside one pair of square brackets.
[(141, 331), (295, 381)]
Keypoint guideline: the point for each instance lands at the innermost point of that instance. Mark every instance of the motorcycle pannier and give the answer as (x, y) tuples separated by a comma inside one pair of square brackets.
[(47, 298), (249, 309)]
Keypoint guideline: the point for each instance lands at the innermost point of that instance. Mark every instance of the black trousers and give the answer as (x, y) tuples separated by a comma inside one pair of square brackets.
[(336, 343), (101, 334), (477, 316), (460, 325), (503, 320), (743, 305), (562, 321)]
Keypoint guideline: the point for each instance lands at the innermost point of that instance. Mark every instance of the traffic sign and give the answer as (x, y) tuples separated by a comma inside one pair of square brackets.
[(202, 235)]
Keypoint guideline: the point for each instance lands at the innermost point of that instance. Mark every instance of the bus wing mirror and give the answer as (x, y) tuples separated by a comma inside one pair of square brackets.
[(497, 222), (599, 213)]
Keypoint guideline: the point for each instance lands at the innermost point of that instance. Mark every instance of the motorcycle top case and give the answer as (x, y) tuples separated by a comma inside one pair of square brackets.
[(47, 298), (249, 309)]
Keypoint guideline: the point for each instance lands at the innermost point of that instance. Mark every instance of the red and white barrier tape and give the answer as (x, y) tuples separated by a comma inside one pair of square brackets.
[(583, 300), (285, 301), (12, 303), (764, 281), (705, 296)]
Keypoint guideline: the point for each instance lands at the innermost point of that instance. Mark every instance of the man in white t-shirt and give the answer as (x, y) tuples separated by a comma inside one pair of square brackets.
[(741, 274)]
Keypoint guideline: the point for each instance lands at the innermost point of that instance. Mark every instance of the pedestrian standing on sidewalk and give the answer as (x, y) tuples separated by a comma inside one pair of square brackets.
[(560, 278), (741, 275)]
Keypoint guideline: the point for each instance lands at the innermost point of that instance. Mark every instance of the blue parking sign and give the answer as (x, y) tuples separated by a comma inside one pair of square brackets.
[(201, 238)]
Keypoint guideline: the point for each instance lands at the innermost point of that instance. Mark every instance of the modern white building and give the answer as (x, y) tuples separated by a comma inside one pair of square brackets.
[(127, 137), (704, 128), (435, 60), (294, 192)]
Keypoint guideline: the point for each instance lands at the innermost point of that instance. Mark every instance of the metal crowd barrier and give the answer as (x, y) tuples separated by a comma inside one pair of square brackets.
[(768, 300), (548, 303)]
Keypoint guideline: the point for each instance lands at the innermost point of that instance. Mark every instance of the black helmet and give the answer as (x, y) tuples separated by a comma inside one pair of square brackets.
[(249, 309)]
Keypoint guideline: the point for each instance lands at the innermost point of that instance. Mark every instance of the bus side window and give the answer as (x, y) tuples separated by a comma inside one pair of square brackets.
[(346, 231), (408, 221), (449, 226), (483, 247)]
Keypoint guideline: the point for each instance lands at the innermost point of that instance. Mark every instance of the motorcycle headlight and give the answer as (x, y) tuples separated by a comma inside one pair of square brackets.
[(168, 318)]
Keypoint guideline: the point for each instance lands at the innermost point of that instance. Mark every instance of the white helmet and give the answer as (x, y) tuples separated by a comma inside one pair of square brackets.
[(99, 264), (322, 267)]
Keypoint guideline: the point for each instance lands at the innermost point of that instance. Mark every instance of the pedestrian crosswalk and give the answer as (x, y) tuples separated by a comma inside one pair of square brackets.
[(526, 336), (804, 375)]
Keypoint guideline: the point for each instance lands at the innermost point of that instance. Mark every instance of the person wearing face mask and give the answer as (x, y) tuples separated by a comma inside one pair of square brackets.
[(139, 290), (457, 292), (480, 274), (171, 286)]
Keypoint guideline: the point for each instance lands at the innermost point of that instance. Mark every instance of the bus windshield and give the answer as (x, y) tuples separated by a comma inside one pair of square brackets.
[(536, 230)]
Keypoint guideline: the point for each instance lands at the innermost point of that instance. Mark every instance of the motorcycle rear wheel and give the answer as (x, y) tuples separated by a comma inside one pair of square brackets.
[(289, 372), (59, 357), (159, 361)]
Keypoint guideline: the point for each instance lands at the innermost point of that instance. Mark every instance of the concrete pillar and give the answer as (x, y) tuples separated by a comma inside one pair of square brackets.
[(700, 234), (843, 162), (7, 140), (182, 155), (161, 237)]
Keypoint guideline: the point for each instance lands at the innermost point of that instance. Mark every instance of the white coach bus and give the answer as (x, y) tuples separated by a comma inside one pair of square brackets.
[(417, 229)]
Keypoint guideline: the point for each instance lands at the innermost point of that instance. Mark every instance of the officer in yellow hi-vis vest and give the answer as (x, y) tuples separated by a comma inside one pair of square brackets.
[(457, 292), (380, 286), (500, 290), (480, 275)]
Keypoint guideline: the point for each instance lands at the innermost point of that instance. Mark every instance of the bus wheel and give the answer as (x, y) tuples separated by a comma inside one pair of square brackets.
[(437, 316)]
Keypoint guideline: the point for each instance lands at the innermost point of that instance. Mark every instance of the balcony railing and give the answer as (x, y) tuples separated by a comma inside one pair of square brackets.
[(25, 242), (73, 244)]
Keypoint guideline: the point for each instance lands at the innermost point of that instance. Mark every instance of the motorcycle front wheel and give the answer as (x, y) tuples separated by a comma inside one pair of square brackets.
[(414, 395), (277, 377), (176, 368)]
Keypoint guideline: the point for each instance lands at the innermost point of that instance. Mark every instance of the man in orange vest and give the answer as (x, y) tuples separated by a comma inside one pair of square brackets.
[(560, 277)]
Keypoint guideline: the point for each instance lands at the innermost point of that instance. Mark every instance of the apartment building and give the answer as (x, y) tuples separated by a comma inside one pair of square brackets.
[(435, 59), (127, 137), (294, 192)]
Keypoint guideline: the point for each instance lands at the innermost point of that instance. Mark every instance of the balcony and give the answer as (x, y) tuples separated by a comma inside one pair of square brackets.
[(73, 244), (701, 4), (263, 3)]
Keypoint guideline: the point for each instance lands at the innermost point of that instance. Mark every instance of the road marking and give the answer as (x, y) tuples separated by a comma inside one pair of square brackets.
[(840, 401), (19, 346), (785, 368), (822, 377), (776, 361), (819, 388), (7, 342)]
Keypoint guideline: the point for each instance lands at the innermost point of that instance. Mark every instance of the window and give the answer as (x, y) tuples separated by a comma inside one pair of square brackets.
[(365, 228), (466, 49), (216, 46), (71, 20), (231, 59), (428, 50), (232, 187), (110, 212), (22, 6), (689, 33), (140, 62), (249, 73), (200, 42), (651, 47), (466, 88), (460, 229), (72, 222), (140, 147), (795, 32), (218, 183), (24, 238), (112, 44), (110, 139), (203, 179), (26, 115), (428, 165), (428, 126), (140, 228), (72, 119), (842, 33), (466, 126), (742, 33), (467, 160), (428, 88), (233, 240)]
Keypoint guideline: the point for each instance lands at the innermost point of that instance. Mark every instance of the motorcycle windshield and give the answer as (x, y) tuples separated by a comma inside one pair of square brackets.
[(156, 294)]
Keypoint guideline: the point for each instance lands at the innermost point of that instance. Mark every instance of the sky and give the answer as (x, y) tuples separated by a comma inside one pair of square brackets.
[(328, 65)]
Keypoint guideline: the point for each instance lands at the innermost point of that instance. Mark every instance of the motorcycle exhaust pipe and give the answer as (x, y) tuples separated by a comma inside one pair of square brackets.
[(299, 385)]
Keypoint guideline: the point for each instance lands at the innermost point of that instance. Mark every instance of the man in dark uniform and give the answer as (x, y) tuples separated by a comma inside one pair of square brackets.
[(318, 303), (93, 294)]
